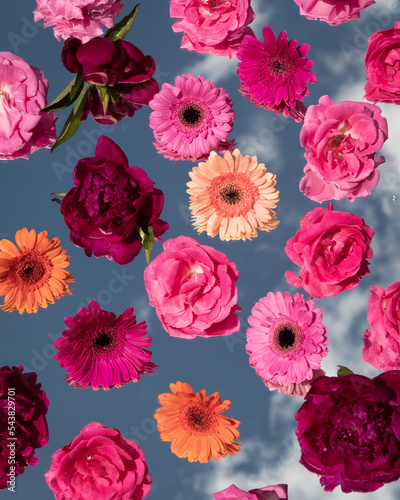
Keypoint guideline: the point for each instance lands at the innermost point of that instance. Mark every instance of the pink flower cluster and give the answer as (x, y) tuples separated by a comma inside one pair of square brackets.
[(277, 492), (333, 12)]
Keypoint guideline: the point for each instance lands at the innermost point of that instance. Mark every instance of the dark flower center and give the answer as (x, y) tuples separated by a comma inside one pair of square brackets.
[(280, 65), (199, 418), (231, 194), (286, 338), (30, 269), (104, 341), (337, 141), (191, 115)]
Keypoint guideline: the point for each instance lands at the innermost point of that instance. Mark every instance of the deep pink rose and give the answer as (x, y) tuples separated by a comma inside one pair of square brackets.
[(333, 12), (23, 93), (349, 431), (382, 340), (214, 27), (109, 204), (23, 407), (332, 249), (99, 464), (78, 18), (192, 287), (341, 141), (118, 65), (277, 492), (382, 62)]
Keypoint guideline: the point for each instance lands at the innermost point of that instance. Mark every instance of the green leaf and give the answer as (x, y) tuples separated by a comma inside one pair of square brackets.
[(118, 31), (344, 371), (147, 235), (67, 96), (104, 97), (74, 119)]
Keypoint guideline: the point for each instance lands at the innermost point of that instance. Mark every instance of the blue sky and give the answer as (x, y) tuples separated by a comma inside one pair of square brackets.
[(270, 452)]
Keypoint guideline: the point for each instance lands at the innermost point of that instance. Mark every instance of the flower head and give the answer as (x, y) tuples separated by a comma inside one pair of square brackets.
[(286, 342), (276, 492), (274, 73), (333, 13), (232, 196), (191, 118), (102, 351), (193, 425), (33, 274)]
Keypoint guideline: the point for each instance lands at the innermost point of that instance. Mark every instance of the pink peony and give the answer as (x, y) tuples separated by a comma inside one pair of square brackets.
[(214, 27), (277, 492), (286, 342), (23, 93), (382, 62), (193, 289), (99, 464), (382, 340), (274, 73), (78, 18), (332, 249), (341, 141), (23, 406), (333, 12), (349, 431)]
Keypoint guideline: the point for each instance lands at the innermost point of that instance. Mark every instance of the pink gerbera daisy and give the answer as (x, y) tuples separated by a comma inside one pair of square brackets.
[(102, 351), (287, 342), (274, 73), (191, 119)]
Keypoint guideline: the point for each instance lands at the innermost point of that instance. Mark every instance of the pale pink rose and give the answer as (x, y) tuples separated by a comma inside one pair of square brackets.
[(99, 464), (192, 287), (277, 492), (341, 141), (332, 249), (213, 27), (382, 62), (333, 12), (382, 340), (23, 92), (78, 18)]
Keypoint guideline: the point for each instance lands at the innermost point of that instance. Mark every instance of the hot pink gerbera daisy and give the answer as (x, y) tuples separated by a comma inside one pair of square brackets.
[(274, 73), (102, 351), (191, 119), (287, 342)]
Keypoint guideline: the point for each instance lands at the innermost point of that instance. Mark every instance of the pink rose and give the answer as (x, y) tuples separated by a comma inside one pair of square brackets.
[(278, 492), (193, 289), (99, 463), (382, 62), (23, 93), (216, 27), (78, 18), (332, 249), (333, 12), (341, 141), (382, 340)]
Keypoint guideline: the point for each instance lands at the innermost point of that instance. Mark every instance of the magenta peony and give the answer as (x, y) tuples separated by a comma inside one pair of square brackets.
[(341, 141), (102, 351), (333, 12), (274, 73), (78, 18), (349, 431), (23, 93), (192, 287), (215, 27), (286, 342), (277, 492), (191, 118), (332, 249), (23, 406), (382, 340), (382, 62), (118, 65), (99, 463), (109, 204)]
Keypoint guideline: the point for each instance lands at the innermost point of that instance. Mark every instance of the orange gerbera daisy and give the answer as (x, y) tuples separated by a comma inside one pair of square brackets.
[(33, 274), (232, 196), (194, 426)]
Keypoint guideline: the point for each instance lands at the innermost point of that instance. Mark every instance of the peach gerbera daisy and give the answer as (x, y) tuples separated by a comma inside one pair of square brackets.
[(194, 426), (33, 274), (232, 196)]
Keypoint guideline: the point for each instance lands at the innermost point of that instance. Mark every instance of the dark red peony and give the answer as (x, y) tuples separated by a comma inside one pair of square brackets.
[(23, 425), (349, 431), (109, 204)]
